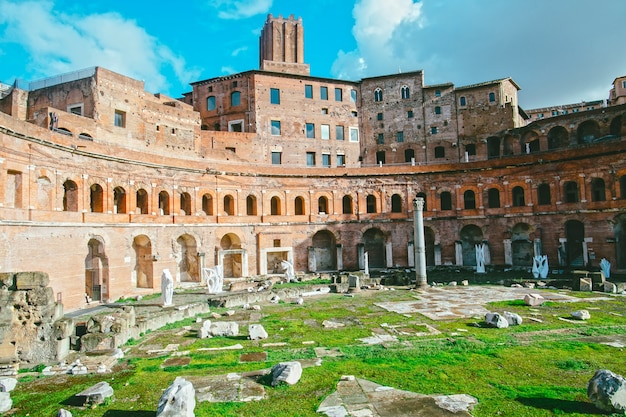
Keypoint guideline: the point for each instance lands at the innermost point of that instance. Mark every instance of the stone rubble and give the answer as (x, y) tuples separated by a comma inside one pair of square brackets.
[(178, 400), (96, 394), (580, 315), (287, 372), (607, 391)]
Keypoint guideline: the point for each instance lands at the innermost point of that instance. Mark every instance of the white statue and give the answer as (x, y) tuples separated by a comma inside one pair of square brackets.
[(540, 266), (214, 278), (366, 263), (167, 287), (287, 266), (480, 258), (605, 267)]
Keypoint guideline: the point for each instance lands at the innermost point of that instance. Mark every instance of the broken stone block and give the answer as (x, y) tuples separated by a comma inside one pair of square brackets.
[(513, 319), (607, 391), (581, 315), (256, 332), (31, 280), (225, 328), (178, 400), (96, 394), (585, 284), (610, 287), (7, 384), (533, 300), (287, 372), (496, 320), (64, 413), (5, 402), (204, 333)]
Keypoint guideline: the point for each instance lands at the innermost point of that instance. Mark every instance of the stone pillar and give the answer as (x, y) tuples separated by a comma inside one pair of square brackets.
[(421, 281), (508, 252), (487, 252), (537, 247), (458, 253), (312, 260), (438, 254), (389, 250), (562, 251), (244, 263), (360, 251), (201, 256), (339, 257), (411, 254)]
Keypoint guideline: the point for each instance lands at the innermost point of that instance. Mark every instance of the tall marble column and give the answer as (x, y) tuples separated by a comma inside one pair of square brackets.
[(420, 244)]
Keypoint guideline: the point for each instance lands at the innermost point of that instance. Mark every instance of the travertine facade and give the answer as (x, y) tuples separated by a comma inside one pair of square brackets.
[(105, 185)]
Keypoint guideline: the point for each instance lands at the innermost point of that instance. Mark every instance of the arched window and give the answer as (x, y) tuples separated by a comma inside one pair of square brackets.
[(409, 155), (322, 205), (518, 197), (423, 195), (251, 205), (96, 197), (142, 201), (598, 191), (406, 93), (229, 205), (164, 203), (462, 101), (235, 98), (543, 195), (275, 206), (493, 198), (185, 204), (571, 192), (70, 196), (371, 203), (396, 203), (378, 94), (210, 103), (492, 97), (469, 199), (119, 200), (347, 204), (299, 206), (207, 204), (446, 200)]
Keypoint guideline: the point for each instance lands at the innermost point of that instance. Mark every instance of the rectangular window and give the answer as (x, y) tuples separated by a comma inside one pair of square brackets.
[(623, 84), (433, 130), (462, 101), (353, 96), (354, 134), (326, 159), (325, 132), (275, 127), (120, 118), (308, 91), (339, 132), (380, 139), (555, 112), (338, 94), (409, 114), (310, 159), (341, 160), (276, 158), (437, 93), (76, 109), (379, 116), (310, 130), (274, 96), (400, 137), (324, 110), (324, 93)]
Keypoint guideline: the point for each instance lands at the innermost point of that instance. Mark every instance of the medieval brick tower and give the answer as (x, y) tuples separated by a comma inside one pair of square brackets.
[(281, 46)]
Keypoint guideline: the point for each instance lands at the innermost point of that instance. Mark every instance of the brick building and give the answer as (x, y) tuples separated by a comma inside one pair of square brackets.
[(105, 185)]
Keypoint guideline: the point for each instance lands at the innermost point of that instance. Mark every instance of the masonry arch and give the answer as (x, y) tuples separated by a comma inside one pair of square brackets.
[(322, 205), (598, 189), (229, 205), (575, 235), (558, 137), (530, 142), (119, 200), (96, 270), (188, 269), (371, 203), (522, 245), (96, 198), (324, 249), (251, 205), (207, 204), (70, 196), (185, 204), (299, 206), (44, 193), (616, 126), (164, 203), (275, 206), (471, 235), (143, 270), (422, 195), (508, 146), (142, 201), (588, 131), (396, 203), (374, 245), (347, 205), (231, 255)]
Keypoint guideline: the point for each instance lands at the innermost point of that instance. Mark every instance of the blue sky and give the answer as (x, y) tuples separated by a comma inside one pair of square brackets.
[(558, 51)]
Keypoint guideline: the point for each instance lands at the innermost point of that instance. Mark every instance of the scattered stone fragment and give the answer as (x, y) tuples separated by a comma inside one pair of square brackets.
[(5, 402), (529, 285), (452, 283), (299, 301), (256, 307), (7, 384), (216, 315), (533, 300), (465, 283), (275, 299), (516, 286), (64, 413), (610, 287), (233, 347), (607, 391), (308, 342), (256, 332), (287, 372), (581, 315), (496, 320), (514, 319), (328, 324), (230, 313), (277, 344), (225, 328), (179, 400), (96, 394), (456, 403)]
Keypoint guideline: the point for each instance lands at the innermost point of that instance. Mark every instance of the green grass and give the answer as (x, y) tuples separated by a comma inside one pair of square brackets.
[(533, 370)]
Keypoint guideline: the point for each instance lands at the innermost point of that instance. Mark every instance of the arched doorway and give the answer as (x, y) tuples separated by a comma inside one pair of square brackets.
[(521, 245), (96, 271), (231, 255), (70, 196), (374, 245), (620, 240), (575, 235), (143, 262), (471, 235), (325, 252), (188, 261)]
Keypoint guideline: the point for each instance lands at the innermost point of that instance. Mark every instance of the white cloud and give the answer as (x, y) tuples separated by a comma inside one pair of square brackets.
[(375, 24), (59, 43), (228, 70), (240, 9), (239, 50)]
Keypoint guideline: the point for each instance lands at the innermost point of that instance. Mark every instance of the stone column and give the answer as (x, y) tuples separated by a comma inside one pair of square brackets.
[(360, 251), (437, 254), (339, 257), (421, 280), (458, 252), (312, 260), (389, 250), (508, 252), (411, 254)]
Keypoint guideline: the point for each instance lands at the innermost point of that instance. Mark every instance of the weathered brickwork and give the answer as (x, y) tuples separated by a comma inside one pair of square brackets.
[(105, 199)]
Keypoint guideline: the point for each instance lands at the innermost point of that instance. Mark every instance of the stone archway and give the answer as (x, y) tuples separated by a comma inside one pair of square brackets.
[(232, 256), (324, 248), (96, 271), (522, 245), (471, 235), (374, 245), (143, 271), (188, 259), (575, 235)]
